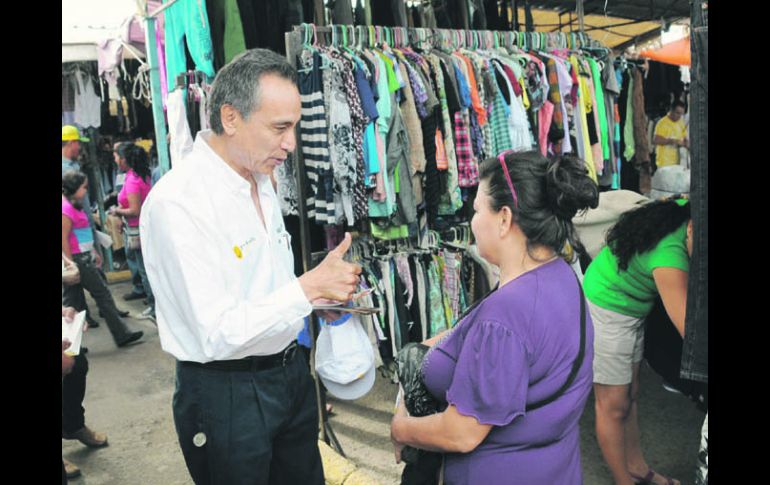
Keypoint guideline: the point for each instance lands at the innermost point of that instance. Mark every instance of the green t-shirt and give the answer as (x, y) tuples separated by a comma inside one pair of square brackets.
[(633, 292)]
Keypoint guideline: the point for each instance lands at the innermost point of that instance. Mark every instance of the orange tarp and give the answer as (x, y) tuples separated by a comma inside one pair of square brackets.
[(677, 53)]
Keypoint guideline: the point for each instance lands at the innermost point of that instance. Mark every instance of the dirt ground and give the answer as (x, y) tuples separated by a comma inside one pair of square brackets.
[(129, 391)]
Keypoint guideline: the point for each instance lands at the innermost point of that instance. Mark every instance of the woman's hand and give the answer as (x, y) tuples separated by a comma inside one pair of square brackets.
[(68, 313)]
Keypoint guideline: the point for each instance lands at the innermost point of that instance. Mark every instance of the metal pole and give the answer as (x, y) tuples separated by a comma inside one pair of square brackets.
[(157, 99), (581, 16), (293, 44)]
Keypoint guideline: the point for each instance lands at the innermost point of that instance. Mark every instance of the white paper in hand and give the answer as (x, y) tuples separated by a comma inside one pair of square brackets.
[(73, 332)]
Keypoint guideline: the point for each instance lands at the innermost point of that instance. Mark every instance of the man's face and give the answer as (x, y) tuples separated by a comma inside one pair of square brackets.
[(73, 148), (677, 113), (266, 139)]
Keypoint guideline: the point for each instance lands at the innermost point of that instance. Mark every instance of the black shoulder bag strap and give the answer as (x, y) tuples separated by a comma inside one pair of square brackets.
[(578, 361)]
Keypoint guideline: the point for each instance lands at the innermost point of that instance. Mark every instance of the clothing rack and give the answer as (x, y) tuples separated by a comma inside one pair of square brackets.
[(185, 79), (373, 36), (309, 36)]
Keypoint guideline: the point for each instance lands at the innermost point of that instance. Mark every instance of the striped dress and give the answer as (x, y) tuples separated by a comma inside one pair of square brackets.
[(314, 142)]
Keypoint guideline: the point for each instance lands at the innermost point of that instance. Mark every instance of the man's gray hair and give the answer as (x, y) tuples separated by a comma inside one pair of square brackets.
[(237, 84)]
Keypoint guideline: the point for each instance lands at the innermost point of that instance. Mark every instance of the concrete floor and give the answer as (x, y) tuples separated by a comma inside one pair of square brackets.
[(129, 398)]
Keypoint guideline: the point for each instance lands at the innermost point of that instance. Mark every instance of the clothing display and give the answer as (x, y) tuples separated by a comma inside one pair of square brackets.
[(401, 127), (187, 20), (420, 291)]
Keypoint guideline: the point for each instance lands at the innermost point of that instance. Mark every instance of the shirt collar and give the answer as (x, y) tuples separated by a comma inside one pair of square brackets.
[(230, 177)]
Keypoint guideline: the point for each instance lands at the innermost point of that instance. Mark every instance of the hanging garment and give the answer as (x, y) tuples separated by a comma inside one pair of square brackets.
[(360, 121), (600, 109), (451, 201), (438, 322), (266, 21), (178, 129), (628, 127), (314, 143), (109, 53), (187, 20), (226, 31), (641, 138), (286, 187), (342, 13), (545, 116), (467, 166), (342, 151), (88, 106)]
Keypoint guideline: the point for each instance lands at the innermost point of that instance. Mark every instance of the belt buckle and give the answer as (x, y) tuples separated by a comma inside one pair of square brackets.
[(288, 354)]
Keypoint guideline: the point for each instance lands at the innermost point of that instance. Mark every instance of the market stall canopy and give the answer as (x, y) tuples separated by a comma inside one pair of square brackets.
[(617, 24), (86, 22), (649, 10), (677, 53)]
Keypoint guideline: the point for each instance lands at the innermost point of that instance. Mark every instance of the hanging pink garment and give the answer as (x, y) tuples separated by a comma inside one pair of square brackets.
[(544, 117)]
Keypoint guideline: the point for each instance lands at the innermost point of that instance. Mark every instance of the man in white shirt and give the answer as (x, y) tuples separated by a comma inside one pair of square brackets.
[(228, 305)]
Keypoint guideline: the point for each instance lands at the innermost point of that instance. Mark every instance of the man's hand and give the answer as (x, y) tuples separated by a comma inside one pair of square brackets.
[(334, 278), (328, 315), (97, 259), (67, 361)]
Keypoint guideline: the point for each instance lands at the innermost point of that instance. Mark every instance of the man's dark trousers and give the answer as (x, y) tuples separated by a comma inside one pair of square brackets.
[(73, 391), (260, 426)]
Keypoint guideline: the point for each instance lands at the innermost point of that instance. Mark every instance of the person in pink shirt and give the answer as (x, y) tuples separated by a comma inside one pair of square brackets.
[(133, 160), (77, 240)]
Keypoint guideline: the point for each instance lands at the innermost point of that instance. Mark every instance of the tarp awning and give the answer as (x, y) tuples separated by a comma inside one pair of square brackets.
[(677, 53)]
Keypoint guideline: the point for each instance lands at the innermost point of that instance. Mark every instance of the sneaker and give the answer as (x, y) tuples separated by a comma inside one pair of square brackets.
[(92, 323), (71, 469), (134, 296), (149, 314), (88, 437), (671, 389), (132, 337)]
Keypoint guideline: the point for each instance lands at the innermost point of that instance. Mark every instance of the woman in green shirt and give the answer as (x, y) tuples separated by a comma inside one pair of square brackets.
[(647, 253)]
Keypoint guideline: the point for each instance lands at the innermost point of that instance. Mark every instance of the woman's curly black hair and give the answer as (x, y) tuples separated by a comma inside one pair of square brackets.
[(640, 230), (136, 158)]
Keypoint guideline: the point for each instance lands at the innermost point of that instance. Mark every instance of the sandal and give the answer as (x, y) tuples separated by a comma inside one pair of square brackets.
[(647, 479)]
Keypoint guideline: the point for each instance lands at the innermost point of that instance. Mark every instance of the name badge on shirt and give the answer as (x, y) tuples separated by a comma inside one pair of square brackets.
[(242, 250)]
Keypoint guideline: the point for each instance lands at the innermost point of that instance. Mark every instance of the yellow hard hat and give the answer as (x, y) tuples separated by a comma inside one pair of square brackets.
[(71, 133)]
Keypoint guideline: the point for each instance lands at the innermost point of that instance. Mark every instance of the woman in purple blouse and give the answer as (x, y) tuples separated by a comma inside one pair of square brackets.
[(518, 346)]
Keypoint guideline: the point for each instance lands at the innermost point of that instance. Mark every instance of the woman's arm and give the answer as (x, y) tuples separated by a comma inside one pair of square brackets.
[(448, 431), (66, 228), (134, 207), (672, 286)]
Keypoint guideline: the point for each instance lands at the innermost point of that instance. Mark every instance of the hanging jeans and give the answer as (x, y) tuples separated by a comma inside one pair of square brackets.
[(187, 19), (695, 350)]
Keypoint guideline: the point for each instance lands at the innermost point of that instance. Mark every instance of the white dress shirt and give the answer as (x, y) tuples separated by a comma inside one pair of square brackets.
[(224, 285)]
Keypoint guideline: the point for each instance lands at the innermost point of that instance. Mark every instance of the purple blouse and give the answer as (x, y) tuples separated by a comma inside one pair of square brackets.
[(518, 346)]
